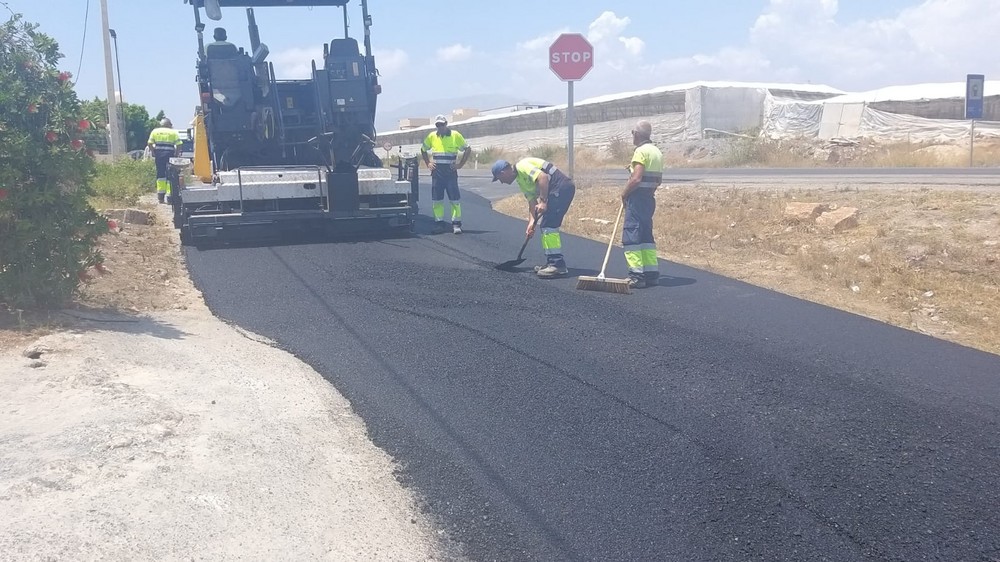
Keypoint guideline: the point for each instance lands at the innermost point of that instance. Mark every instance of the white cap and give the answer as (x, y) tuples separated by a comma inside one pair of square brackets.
[(440, 119)]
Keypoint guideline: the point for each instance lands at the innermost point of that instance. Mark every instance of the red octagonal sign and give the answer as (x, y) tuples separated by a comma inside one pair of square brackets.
[(571, 56)]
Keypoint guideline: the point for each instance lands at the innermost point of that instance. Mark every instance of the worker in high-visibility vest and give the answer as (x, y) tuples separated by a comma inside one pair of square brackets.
[(639, 200), (164, 143), (443, 145), (549, 192)]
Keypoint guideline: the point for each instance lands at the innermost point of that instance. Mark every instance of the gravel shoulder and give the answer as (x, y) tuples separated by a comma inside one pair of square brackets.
[(168, 434)]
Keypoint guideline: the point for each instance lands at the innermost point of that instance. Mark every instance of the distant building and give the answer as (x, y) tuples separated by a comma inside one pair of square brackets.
[(413, 123), (463, 114), (513, 108)]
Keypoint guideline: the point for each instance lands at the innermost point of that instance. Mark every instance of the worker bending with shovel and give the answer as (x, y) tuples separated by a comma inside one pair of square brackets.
[(639, 200), (549, 193)]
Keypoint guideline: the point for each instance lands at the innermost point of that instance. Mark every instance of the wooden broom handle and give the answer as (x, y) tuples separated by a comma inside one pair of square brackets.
[(612, 240)]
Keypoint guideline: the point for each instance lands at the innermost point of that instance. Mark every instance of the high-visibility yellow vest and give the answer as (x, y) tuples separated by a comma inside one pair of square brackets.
[(444, 149), (652, 163), (528, 169)]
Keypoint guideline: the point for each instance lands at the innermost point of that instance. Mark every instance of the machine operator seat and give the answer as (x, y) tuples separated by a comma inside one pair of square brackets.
[(230, 75), (221, 51), (346, 47)]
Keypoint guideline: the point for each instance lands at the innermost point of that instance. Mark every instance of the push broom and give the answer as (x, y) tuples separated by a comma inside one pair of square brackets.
[(602, 283)]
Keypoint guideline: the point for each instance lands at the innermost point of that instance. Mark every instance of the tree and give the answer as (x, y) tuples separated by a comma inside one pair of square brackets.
[(48, 230), (137, 123)]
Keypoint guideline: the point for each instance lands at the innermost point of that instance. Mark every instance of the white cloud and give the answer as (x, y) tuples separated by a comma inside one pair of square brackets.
[(539, 44), (391, 62), (802, 39), (295, 63), (606, 26), (633, 45), (454, 53)]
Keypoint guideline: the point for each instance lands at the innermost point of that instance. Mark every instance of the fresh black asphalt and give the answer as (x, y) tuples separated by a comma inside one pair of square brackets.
[(703, 419)]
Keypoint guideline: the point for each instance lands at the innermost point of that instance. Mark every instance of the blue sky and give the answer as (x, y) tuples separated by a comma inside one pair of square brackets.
[(429, 51)]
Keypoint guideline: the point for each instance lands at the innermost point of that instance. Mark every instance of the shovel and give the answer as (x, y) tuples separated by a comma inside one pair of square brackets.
[(509, 265)]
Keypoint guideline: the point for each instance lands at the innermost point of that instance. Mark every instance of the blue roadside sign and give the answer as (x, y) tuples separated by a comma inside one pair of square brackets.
[(974, 84)]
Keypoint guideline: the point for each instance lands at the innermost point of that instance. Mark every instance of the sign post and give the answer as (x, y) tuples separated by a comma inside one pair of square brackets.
[(974, 84), (571, 57), (387, 146)]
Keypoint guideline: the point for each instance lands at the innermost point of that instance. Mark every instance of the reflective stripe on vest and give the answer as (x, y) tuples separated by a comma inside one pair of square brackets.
[(164, 139), (444, 149)]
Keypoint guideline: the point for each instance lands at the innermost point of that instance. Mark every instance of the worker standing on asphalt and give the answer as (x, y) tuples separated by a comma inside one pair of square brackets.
[(444, 144), (549, 193), (164, 143), (640, 204)]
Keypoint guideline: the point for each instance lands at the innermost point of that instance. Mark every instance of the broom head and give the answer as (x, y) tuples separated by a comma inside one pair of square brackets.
[(603, 284)]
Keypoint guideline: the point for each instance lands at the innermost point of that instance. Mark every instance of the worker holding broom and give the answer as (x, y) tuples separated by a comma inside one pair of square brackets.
[(549, 192), (639, 202)]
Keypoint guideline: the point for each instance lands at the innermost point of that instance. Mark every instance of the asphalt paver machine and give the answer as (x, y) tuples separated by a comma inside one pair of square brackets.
[(300, 154)]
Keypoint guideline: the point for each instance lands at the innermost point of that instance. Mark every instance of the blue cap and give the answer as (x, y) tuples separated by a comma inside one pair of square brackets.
[(498, 167)]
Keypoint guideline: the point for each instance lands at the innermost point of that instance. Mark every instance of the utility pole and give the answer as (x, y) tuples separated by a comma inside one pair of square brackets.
[(116, 143)]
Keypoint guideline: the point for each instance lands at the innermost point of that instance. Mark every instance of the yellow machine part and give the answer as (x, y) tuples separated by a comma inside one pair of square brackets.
[(202, 160)]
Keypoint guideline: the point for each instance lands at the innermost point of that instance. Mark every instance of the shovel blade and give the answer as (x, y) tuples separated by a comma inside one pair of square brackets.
[(510, 264)]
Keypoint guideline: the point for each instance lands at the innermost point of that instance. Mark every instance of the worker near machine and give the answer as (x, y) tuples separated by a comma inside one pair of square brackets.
[(164, 143), (549, 192), (639, 200), (444, 144), (219, 34)]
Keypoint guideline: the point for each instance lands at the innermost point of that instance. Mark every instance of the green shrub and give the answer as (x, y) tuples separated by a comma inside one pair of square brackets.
[(48, 230), (548, 152), (121, 183), (621, 149), (488, 155)]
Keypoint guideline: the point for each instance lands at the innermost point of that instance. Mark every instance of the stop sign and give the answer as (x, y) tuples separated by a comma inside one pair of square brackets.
[(571, 56)]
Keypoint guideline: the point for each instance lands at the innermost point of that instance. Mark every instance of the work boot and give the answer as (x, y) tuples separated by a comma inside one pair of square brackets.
[(456, 228), (160, 196), (440, 227), (550, 271), (636, 283)]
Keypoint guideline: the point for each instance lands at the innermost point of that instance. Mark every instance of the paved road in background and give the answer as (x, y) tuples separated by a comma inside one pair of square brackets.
[(704, 419), (805, 178)]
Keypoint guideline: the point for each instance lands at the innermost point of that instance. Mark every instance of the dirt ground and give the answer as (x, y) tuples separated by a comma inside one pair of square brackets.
[(918, 257), (136, 426)]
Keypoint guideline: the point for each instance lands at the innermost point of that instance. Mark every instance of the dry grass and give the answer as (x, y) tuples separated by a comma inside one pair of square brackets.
[(920, 259)]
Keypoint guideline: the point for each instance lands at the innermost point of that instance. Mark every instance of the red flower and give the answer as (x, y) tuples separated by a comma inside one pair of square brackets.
[(83, 125), (3, 194), (64, 76), (51, 136), (77, 144), (32, 108), (112, 225)]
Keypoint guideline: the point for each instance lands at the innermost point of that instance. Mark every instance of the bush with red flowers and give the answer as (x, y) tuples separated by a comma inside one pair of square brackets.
[(48, 229)]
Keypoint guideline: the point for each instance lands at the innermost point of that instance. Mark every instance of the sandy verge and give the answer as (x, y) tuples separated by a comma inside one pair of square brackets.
[(170, 435)]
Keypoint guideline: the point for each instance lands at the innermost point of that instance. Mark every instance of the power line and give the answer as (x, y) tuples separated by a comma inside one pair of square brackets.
[(86, 16)]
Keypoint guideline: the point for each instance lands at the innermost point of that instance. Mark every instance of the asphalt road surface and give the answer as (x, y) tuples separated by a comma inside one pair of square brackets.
[(703, 419)]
